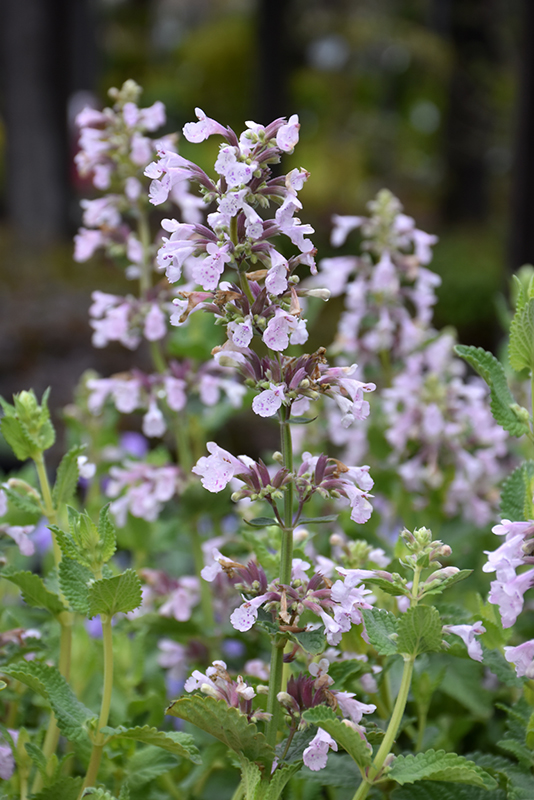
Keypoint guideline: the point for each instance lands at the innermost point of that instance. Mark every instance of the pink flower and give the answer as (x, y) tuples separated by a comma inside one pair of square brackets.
[(276, 280), (522, 657), (267, 403), (241, 333), (217, 470), (467, 634), (7, 760), (288, 135), (20, 535), (509, 596), (154, 424), (155, 323), (208, 271), (203, 129), (86, 242), (244, 617), (315, 755), (283, 328), (353, 708)]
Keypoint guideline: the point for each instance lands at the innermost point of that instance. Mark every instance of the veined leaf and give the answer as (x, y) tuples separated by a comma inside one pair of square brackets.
[(147, 764), (113, 595), (262, 522), (521, 346), (108, 535), (67, 476), (74, 581), (345, 736), (420, 631), (72, 716), (313, 642), (176, 742), (516, 495), (381, 627), (226, 724), (439, 766), (33, 590), (66, 788), (502, 401)]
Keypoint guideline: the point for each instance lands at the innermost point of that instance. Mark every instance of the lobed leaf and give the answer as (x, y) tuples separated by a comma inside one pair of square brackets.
[(381, 627), (110, 596), (502, 401), (439, 766), (420, 631), (33, 590), (345, 736), (226, 724), (176, 742)]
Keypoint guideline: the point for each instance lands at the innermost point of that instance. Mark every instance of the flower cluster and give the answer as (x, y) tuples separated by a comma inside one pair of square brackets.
[(141, 489), (217, 683)]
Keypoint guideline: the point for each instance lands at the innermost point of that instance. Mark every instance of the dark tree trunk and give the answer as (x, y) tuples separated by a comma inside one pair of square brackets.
[(472, 32), (522, 206), (44, 45)]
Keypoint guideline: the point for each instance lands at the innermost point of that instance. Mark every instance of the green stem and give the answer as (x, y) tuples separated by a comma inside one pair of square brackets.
[(391, 731), (183, 446), (286, 558), (100, 739), (143, 229), (158, 359), (239, 792), (206, 603)]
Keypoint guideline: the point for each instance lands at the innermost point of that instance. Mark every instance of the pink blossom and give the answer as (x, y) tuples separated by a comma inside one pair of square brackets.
[(155, 323), (267, 403), (288, 135), (467, 634), (182, 600), (141, 149), (353, 708), (276, 280), (522, 657), (203, 129), (283, 328), (509, 596), (244, 617), (241, 333), (153, 117), (86, 242), (208, 271), (175, 392), (217, 469), (7, 760), (154, 424), (315, 755), (20, 535)]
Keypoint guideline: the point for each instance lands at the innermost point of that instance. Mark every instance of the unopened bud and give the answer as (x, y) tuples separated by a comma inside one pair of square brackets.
[(278, 457), (321, 294)]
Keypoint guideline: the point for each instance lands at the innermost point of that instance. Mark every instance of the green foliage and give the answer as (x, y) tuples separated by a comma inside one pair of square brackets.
[(226, 724), (439, 766), (340, 770), (516, 494), (312, 642), (439, 586), (119, 594), (33, 590), (342, 671), (503, 405), (420, 631), (381, 627), (66, 788), (345, 736), (88, 544), (72, 716), (433, 790), (176, 742), (521, 345), (147, 764), (26, 425), (26, 499), (67, 476), (74, 581)]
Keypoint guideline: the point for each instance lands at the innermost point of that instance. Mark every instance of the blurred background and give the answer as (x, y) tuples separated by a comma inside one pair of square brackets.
[(433, 99)]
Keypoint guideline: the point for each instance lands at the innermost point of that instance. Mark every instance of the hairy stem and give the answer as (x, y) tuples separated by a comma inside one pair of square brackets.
[(143, 230), (206, 603), (99, 741), (286, 557)]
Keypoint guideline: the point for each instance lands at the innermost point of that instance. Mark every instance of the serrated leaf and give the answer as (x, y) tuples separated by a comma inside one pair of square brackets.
[(74, 581), (33, 590), (99, 794), (340, 770), (176, 742), (37, 756), (502, 669), (147, 764), (434, 790), (516, 495), (108, 534), (521, 345), (450, 581), (66, 788), (299, 743), (502, 399), (66, 543), (342, 671), (381, 627), (312, 642), (120, 594), (420, 631), (15, 434), (72, 716), (345, 736), (394, 589), (439, 766), (274, 787), (24, 502), (251, 777), (226, 724), (262, 522), (67, 476), (518, 749)]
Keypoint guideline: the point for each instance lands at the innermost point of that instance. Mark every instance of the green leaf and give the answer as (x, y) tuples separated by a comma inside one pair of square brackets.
[(147, 764), (66, 543), (74, 581), (340, 770), (72, 716), (226, 724), (396, 588), (176, 742), (420, 631), (434, 790), (262, 522), (278, 780), (37, 756), (502, 400), (99, 794), (300, 741), (342, 671), (113, 595), (15, 434), (28, 502), (450, 581), (66, 788), (439, 766), (301, 420), (33, 590), (312, 642), (381, 627), (521, 345), (516, 495), (67, 476), (108, 534), (502, 669), (310, 520), (251, 777), (345, 736)]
